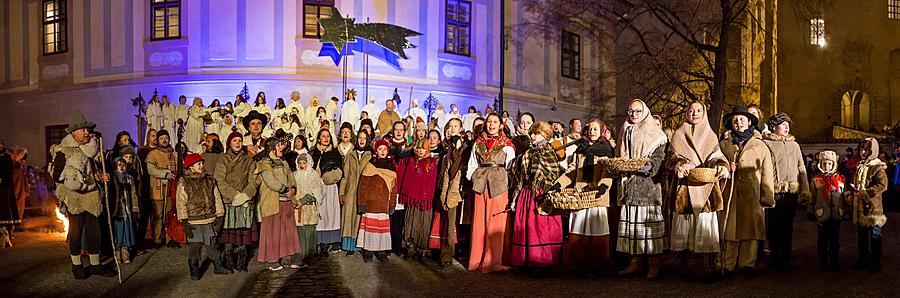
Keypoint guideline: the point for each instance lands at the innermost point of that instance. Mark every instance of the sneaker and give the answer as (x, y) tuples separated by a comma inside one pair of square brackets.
[(275, 267), (301, 265)]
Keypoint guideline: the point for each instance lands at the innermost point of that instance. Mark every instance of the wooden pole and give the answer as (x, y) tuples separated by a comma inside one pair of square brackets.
[(108, 215)]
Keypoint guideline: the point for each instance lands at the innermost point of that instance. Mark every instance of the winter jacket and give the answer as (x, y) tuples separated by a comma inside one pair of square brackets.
[(790, 171), (381, 192), (276, 180), (751, 189), (830, 206), (198, 200), (74, 169), (234, 174)]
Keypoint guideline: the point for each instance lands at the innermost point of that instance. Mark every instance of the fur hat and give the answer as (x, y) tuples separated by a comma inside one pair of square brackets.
[(824, 156), (78, 122), (367, 121), (778, 119), (191, 159), (125, 150), (542, 128), (278, 137), (162, 132)]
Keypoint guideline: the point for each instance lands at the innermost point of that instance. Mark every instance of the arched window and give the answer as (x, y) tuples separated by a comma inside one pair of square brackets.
[(856, 110)]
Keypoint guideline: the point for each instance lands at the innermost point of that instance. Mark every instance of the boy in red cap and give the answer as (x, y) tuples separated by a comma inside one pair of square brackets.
[(201, 211)]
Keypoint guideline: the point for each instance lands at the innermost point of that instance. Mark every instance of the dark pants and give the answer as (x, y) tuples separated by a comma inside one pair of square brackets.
[(194, 251), (146, 216), (448, 245), (868, 244), (781, 226), (397, 220), (83, 225), (828, 244)]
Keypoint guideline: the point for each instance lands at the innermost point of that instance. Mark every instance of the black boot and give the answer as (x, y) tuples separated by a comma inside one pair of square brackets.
[(194, 267), (219, 267), (367, 256), (101, 271), (230, 259), (78, 272), (242, 259), (875, 259), (381, 256)]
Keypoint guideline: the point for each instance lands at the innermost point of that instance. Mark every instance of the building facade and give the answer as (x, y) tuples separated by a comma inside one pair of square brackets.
[(96, 55)]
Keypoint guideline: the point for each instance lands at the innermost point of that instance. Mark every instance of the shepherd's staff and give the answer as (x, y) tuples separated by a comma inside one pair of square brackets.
[(108, 216), (727, 210)]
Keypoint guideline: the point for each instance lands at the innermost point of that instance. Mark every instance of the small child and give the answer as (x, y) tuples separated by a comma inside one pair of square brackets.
[(827, 210), (864, 199), (376, 203), (201, 212), (123, 208), (310, 188)]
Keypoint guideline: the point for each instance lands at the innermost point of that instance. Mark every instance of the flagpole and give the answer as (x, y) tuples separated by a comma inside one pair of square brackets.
[(502, 53)]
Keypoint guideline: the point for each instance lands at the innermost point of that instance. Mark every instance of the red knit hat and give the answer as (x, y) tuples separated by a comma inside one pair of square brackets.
[(234, 134), (382, 142), (191, 159)]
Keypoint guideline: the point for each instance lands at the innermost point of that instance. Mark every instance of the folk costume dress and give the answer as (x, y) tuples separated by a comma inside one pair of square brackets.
[(328, 163), (588, 244), (536, 239), (354, 163), (443, 231), (641, 225), (378, 178), (418, 180), (695, 225), (234, 175), (310, 189), (490, 223), (278, 231)]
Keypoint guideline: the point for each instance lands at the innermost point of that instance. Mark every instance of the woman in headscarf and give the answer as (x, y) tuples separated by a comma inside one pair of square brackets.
[(375, 205), (417, 176), (277, 200), (310, 189), (588, 246), (641, 225), (354, 162), (749, 191), (491, 153), (327, 161), (536, 238), (695, 226), (791, 186)]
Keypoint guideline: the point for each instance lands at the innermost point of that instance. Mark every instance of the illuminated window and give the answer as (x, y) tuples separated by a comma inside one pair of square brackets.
[(312, 11), (894, 9), (817, 32), (458, 27), (54, 21), (571, 55), (166, 18)]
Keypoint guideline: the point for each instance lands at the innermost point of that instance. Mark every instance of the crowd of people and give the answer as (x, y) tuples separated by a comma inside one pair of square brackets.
[(286, 185)]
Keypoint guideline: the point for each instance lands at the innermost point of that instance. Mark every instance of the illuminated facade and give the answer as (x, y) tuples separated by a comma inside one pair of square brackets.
[(95, 55)]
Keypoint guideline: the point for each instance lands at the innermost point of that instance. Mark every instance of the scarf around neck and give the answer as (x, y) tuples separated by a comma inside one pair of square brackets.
[(640, 139), (740, 137)]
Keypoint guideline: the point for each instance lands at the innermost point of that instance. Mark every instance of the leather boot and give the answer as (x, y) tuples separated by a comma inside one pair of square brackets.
[(219, 267), (633, 266), (381, 256), (652, 267), (875, 258), (78, 272), (230, 260), (367, 256), (194, 268), (242, 259)]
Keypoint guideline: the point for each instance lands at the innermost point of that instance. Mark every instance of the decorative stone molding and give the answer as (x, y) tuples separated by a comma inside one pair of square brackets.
[(163, 59), (312, 58), (453, 71), (55, 71)]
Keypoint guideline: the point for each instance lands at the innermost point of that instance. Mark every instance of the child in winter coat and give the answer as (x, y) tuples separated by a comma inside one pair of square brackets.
[(827, 209), (864, 199), (376, 203), (201, 212), (123, 208), (310, 188)]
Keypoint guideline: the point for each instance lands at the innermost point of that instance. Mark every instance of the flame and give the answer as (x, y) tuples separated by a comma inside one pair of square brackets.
[(63, 219)]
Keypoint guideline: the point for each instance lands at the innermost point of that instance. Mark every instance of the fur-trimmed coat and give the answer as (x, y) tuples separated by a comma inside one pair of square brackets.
[(866, 188), (644, 189), (74, 167), (751, 189), (790, 169)]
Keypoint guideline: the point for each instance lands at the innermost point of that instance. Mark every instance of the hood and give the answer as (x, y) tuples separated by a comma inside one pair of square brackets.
[(872, 145)]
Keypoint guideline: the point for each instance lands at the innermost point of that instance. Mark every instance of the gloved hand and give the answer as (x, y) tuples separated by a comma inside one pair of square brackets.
[(555, 187), (219, 224), (811, 217), (646, 168), (240, 199), (361, 209), (601, 190), (306, 199), (188, 228)]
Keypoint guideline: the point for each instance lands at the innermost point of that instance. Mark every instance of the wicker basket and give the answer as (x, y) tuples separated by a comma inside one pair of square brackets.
[(572, 199), (623, 165), (702, 175)]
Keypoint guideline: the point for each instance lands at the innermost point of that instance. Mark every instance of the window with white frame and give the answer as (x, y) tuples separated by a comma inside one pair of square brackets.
[(571, 55), (54, 27), (817, 32), (166, 18)]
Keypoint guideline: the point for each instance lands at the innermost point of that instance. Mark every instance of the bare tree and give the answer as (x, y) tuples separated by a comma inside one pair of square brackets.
[(676, 49)]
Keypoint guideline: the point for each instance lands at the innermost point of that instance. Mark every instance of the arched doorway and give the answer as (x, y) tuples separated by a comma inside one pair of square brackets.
[(856, 110)]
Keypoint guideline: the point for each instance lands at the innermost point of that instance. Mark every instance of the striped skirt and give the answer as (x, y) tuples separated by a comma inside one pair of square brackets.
[(641, 230), (374, 232)]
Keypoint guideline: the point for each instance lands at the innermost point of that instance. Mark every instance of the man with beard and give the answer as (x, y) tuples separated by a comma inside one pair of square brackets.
[(233, 175), (161, 167), (387, 118), (254, 123), (78, 175)]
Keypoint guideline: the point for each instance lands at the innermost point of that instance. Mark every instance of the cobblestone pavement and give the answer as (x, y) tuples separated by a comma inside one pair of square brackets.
[(321, 279)]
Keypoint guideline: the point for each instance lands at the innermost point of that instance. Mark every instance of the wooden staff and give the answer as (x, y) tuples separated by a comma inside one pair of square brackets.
[(727, 210), (108, 215)]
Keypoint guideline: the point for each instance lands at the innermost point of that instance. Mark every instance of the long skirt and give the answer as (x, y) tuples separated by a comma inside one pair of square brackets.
[(417, 228), (374, 232), (490, 233), (278, 234), (439, 227), (536, 239), (307, 235), (696, 233), (641, 230), (588, 252), (124, 233), (239, 217), (349, 224), (328, 230), (240, 236)]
